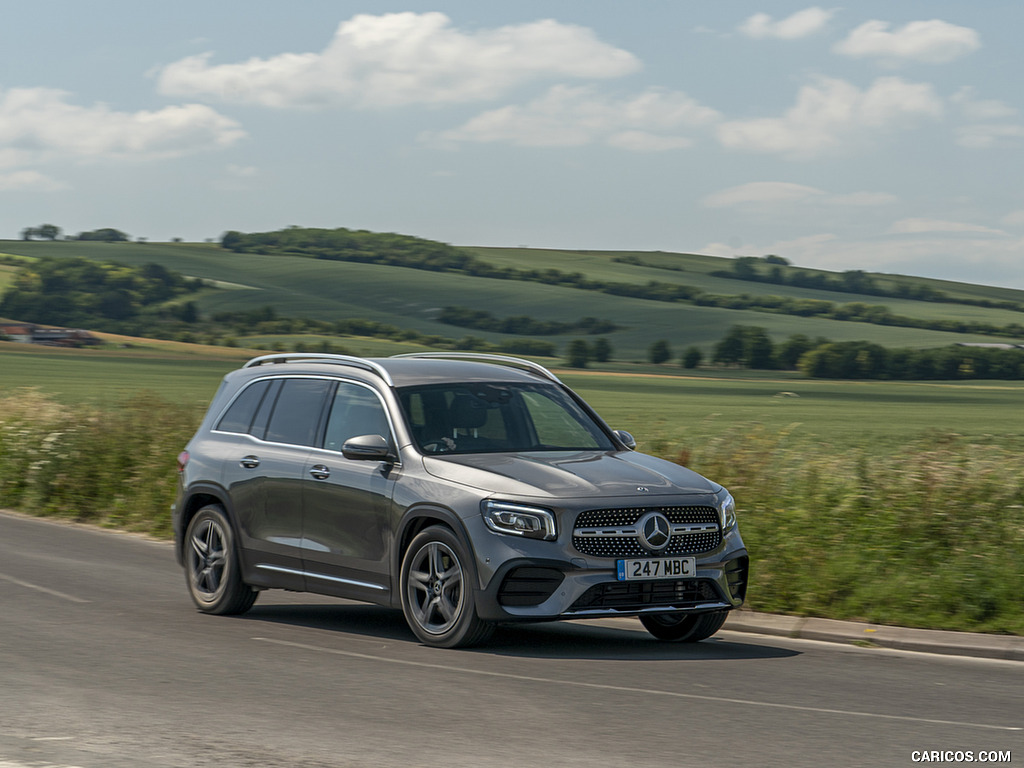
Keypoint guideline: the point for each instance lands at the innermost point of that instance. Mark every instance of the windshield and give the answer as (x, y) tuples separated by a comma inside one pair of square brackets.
[(498, 418)]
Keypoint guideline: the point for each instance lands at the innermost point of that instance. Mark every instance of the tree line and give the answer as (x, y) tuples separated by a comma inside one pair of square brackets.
[(101, 295), (521, 324), (851, 281), (52, 232), (751, 347)]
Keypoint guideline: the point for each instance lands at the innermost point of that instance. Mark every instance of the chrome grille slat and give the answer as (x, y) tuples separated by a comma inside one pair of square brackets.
[(614, 532)]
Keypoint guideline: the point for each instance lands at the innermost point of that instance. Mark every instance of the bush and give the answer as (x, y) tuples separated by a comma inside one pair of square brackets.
[(692, 357), (931, 536), (659, 352), (578, 354), (115, 466)]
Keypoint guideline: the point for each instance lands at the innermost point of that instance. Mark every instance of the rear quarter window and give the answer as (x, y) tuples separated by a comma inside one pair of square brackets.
[(239, 415)]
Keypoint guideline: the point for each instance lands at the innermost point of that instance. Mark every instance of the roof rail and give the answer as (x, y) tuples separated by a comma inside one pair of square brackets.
[(323, 357), (529, 365)]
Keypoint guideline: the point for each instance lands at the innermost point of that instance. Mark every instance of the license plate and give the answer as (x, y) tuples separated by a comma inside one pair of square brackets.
[(662, 568)]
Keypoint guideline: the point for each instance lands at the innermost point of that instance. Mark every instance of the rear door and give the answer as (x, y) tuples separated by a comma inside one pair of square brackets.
[(265, 478)]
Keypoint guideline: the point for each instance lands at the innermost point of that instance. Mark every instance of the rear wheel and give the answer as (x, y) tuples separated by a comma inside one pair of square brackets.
[(211, 565), (683, 627), (437, 591)]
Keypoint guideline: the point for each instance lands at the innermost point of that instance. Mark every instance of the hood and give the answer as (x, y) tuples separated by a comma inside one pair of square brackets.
[(569, 474)]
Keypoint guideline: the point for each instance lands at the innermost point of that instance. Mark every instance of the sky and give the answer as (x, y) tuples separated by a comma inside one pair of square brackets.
[(884, 136)]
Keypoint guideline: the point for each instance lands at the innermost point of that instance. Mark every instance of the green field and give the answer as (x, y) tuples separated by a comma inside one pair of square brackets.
[(661, 410), (410, 298), (6, 276)]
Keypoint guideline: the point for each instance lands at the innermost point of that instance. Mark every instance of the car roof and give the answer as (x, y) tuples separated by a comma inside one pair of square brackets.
[(415, 369)]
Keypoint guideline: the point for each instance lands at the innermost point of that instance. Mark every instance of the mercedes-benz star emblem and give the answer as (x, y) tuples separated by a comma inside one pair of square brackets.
[(655, 531)]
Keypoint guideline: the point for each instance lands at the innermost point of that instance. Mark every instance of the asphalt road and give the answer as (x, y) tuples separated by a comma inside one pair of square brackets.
[(104, 663)]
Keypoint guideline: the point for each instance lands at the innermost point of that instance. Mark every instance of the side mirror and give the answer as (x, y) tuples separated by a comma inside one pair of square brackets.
[(367, 448), (625, 438)]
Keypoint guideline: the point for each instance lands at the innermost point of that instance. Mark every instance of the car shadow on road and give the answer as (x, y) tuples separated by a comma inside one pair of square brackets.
[(612, 640)]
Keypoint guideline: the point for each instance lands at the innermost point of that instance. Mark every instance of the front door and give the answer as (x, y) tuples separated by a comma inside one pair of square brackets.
[(347, 522)]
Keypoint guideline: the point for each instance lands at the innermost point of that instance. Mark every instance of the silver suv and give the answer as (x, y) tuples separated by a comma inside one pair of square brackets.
[(466, 490)]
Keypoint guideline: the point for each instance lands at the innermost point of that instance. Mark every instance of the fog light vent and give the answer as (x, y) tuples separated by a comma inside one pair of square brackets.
[(529, 585)]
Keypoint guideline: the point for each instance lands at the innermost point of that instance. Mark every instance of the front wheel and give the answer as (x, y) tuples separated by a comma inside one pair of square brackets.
[(683, 627), (437, 591), (211, 565)]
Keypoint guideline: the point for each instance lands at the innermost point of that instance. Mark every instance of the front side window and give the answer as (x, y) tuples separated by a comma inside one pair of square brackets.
[(355, 411), (498, 418)]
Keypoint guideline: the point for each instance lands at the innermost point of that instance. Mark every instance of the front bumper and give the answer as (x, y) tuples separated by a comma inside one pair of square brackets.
[(530, 589)]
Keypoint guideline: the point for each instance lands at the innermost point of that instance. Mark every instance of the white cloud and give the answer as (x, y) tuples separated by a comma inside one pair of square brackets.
[(575, 116), (642, 141), (800, 24), (932, 42), (404, 58), (919, 226), (986, 136), (864, 199), (761, 192), (830, 114), (983, 131), (981, 109), (242, 171), (14, 158), (39, 123), (1014, 219), (775, 194), (29, 180)]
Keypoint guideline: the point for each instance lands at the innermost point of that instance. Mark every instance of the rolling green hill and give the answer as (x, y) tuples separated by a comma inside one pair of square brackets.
[(299, 286)]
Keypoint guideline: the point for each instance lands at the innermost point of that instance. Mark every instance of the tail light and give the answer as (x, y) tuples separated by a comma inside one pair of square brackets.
[(182, 461)]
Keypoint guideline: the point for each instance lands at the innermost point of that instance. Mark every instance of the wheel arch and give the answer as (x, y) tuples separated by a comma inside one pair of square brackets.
[(418, 519), (198, 497)]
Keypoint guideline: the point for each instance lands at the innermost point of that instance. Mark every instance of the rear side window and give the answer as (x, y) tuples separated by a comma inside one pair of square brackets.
[(240, 415), (296, 416)]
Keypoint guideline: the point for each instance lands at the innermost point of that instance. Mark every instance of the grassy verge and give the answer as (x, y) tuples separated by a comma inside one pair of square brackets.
[(926, 534), (110, 466), (930, 535)]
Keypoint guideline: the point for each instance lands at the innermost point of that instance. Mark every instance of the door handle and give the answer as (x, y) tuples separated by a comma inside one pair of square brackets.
[(319, 472), (250, 462)]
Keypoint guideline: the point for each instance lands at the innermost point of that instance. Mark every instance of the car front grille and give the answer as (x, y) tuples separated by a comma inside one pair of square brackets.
[(639, 595), (606, 532)]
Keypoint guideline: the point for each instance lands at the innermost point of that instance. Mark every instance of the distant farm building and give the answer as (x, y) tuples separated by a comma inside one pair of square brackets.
[(29, 333)]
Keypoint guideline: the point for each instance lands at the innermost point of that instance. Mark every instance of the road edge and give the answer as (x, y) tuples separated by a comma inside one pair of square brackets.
[(976, 644)]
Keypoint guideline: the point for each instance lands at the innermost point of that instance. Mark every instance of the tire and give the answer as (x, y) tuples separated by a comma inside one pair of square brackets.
[(683, 627), (437, 591), (211, 565)]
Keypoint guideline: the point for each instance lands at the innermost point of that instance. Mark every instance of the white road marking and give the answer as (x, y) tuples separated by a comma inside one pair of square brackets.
[(47, 590), (627, 689)]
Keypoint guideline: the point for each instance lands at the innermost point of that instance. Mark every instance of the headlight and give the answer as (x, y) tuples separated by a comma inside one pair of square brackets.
[(518, 520), (727, 511)]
